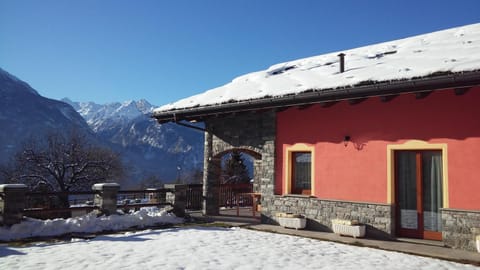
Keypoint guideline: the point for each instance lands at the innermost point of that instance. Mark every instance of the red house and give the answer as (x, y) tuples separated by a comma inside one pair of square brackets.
[(387, 134)]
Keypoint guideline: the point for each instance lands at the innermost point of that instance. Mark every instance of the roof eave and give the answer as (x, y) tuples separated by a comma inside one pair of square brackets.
[(445, 81)]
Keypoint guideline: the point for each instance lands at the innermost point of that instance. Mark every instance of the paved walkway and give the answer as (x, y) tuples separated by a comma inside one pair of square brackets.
[(432, 249)]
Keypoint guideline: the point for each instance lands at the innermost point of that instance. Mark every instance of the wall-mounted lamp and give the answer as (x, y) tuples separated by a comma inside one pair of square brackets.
[(346, 139)]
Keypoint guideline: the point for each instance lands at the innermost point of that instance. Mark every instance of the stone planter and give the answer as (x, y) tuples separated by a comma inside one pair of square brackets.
[(348, 227), (294, 221)]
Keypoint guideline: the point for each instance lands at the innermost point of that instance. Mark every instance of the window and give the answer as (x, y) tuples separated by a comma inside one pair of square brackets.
[(298, 169), (301, 173), (420, 146), (417, 184), (419, 195)]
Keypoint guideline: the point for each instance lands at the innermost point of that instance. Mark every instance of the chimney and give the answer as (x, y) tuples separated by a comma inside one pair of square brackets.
[(342, 62)]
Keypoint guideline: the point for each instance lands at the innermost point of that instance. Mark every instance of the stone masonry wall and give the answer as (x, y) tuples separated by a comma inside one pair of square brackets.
[(319, 213), (460, 228), (253, 132)]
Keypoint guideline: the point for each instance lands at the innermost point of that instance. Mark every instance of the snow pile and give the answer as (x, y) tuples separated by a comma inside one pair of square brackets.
[(90, 223), (452, 50), (209, 248)]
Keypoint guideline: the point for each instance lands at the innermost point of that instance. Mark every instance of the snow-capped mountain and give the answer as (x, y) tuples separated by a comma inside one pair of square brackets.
[(100, 117), (166, 151), (25, 115)]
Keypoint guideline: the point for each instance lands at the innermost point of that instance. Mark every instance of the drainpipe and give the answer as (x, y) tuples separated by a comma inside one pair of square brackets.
[(190, 126)]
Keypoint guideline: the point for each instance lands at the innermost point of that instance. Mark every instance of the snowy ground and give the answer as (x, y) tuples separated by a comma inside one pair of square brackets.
[(186, 248), (208, 248)]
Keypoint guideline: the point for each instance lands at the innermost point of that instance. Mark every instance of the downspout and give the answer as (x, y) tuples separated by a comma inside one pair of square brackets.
[(180, 123), (190, 126)]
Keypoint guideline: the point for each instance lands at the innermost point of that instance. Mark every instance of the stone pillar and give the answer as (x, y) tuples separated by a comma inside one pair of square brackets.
[(12, 203), (106, 200), (180, 200), (267, 173), (210, 178), (257, 170)]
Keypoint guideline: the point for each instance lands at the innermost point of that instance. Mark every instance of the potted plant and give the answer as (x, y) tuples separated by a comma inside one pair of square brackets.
[(348, 227), (290, 220)]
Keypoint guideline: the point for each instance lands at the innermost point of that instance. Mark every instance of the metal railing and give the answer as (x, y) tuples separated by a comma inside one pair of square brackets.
[(194, 199), (228, 197), (49, 205)]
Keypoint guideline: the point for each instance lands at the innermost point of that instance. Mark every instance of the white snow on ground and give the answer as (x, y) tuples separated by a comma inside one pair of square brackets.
[(147, 216), (208, 248), (452, 50)]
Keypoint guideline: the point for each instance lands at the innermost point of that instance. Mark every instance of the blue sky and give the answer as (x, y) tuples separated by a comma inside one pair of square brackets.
[(117, 50)]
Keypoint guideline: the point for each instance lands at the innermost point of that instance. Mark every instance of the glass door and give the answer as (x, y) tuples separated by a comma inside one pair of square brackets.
[(419, 177)]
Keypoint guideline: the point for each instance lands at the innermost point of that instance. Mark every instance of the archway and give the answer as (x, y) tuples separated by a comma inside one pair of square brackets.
[(238, 171)]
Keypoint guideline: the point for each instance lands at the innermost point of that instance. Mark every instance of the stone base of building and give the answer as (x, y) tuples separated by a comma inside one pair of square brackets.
[(320, 213), (460, 228)]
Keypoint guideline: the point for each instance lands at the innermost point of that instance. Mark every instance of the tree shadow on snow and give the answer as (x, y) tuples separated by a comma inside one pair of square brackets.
[(6, 251), (124, 236), (141, 236), (144, 235)]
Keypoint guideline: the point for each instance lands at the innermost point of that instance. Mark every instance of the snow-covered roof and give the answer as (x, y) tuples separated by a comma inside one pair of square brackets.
[(448, 51)]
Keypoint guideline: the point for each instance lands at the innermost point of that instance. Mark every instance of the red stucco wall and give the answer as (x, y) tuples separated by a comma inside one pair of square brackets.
[(358, 172)]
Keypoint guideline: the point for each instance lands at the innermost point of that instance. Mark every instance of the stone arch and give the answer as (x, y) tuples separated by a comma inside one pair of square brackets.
[(252, 152), (252, 133), (221, 148), (257, 162)]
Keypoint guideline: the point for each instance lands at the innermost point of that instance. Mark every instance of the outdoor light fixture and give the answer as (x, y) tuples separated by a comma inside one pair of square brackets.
[(346, 139)]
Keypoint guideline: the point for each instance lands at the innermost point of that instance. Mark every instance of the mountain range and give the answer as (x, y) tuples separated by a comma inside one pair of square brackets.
[(167, 152), (24, 115)]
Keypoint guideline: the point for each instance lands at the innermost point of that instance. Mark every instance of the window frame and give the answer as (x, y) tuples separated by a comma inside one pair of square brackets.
[(415, 145), (289, 151)]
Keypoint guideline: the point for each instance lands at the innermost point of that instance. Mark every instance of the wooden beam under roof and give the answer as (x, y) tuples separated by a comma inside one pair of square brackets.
[(462, 90), (356, 101), (388, 98), (305, 106), (280, 109), (328, 104), (421, 95)]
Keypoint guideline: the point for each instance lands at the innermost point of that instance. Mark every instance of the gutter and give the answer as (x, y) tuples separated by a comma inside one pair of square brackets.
[(425, 84)]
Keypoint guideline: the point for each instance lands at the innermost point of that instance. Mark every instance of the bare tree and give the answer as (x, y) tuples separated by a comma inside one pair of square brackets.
[(65, 164)]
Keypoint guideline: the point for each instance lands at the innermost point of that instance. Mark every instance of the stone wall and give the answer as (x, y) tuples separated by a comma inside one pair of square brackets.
[(460, 228), (319, 213), (250, 132)]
